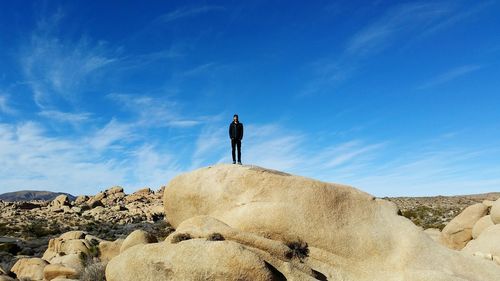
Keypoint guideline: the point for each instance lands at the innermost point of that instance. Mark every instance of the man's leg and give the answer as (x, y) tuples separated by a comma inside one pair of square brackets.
[(239, 151), (233, 146)]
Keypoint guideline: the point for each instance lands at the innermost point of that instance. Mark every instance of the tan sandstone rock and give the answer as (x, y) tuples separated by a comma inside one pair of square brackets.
[(81, 199), (99, 196), (481, 225), (458, 232), (488, 242), (94, 203), (67, 244), (434, 233), (144, 191), (488, 203), (60, 201), (114, 189), (194, 259), (72, 260), (351, 235), (52, 271), (109, 249), (495, 212), (31, 268), (137, 237)]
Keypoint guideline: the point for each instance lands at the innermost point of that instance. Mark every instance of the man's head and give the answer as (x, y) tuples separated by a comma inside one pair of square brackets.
[(235, 118)]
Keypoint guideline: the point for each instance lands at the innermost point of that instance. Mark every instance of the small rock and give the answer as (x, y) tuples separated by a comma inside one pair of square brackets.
[(31, 268), (52, 271)]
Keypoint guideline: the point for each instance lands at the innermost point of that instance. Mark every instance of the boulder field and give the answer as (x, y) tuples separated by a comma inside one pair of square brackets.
[(248, 223)]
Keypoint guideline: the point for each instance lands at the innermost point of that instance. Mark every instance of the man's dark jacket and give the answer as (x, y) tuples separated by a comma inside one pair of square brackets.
[(236, 131)]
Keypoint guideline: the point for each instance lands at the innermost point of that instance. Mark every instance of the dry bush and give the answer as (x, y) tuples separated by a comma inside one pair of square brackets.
[(215, 237), (180, 237), (94, 270), (298, 249)]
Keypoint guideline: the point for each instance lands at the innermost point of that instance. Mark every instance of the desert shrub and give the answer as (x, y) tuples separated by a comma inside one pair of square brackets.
[(94, 270), (36, 229), (5, 229), (426, 216), (180, 237), (94, 251), (161, 229), (215, 237), (90, 227), (40, 228), (298, 249)]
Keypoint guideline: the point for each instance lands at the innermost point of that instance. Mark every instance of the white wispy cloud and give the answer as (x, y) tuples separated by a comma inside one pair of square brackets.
[(112, 135), (456, 17), (200, 69), (69, 117), (429, 167), (344, 153), (154, 166), (185, 12), (118, 153), (211, 143), (270, 145), (4, 105), (401, 19), (273, 146), (59, 68), (32, 159), (450, 75), (403, 23), (432, 171), (153, 111)]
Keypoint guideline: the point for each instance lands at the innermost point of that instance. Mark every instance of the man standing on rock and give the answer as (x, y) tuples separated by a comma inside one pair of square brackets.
[(236, 135)]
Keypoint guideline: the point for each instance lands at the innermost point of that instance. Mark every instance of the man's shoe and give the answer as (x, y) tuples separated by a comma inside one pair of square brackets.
[(239, 163), (234, 162)]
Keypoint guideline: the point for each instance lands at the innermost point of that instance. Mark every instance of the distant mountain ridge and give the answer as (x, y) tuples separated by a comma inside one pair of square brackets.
[(27, 195)]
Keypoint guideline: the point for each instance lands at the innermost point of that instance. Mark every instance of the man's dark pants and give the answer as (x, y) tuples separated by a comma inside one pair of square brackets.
[(234, 143)]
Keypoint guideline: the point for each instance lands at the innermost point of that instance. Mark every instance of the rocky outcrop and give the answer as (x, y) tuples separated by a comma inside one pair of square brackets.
[(60, 201), (482, 240), (248, 223), (458, 232), (486, 245), (299, 228)]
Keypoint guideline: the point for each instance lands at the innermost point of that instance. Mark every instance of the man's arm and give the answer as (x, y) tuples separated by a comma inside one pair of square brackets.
[(241, 132)]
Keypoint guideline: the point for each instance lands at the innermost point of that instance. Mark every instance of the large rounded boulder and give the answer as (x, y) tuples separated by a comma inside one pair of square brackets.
[(488, 243), (194, 259), (458, 232), (481, 225), (495, 211), (344, 228)]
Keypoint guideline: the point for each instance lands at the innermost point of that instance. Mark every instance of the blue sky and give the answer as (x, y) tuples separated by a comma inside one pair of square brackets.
[(395, 98)]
